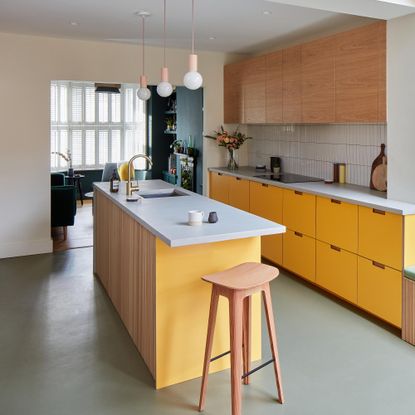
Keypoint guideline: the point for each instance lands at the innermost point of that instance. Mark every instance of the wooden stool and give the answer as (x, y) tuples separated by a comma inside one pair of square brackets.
[(237, 284)]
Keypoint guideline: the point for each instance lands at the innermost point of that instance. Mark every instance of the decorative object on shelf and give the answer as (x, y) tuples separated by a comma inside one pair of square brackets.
[(342, 173), (164, 88), (68, 158), (191, 151), (143, 92), (378, 176), (232, 141), (171, 123), (193, 79), (177, 146)]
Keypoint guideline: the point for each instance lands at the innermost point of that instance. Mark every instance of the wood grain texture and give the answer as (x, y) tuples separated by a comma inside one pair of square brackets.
[(125, 263), (382, 111), (273, 88), (292, 85), (408, 311), (232, 93), (253, 84), (318, 95), (358, 74)]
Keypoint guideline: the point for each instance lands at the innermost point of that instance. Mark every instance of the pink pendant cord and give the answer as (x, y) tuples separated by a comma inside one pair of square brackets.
[(164, 35), (193, 27)]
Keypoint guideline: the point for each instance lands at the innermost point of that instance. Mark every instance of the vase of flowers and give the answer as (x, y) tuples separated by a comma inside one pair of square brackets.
[(68, 158), (231, 141)]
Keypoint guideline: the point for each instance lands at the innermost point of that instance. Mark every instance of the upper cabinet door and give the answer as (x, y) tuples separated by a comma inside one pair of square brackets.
[(358, 74), (253, 82), (318, 81), (273, 88), (291, 85), (382, 115), (232, 93)]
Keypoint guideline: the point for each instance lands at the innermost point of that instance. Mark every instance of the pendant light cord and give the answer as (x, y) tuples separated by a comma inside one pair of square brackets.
[(142, 33), (164, 34), (193, 27)]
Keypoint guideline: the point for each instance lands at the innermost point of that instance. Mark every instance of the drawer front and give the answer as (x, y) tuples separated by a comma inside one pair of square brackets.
[(299, 254), (239, 193), (219, 187), (337, 223), (380, 291), (299, 212), (380, 237), (271, 248), (266, 201), (336, 270)]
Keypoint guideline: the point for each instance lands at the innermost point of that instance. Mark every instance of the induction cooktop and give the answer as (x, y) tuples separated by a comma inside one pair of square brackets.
[(289, 178)]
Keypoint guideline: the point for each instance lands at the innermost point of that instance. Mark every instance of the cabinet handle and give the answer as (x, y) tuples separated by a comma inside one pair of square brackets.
[(377, 264), (379, 212), (220, 174), (298, 234), (337, 202), (238, 178), (335, 248), (264, 185), (297, 192)]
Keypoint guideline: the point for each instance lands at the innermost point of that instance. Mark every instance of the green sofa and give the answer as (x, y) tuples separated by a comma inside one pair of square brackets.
[(63, 202)]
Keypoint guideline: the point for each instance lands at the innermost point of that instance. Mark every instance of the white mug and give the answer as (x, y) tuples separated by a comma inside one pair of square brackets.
[(195, 217)]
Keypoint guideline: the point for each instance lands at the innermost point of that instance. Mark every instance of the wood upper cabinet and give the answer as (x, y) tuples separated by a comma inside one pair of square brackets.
[(291, 85), (359, 63), (318, 81), (382, 115), (253, 86), (232, 93), (273, 88)]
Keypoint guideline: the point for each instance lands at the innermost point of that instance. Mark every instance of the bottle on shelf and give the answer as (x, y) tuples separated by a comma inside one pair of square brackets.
[(114, 182)]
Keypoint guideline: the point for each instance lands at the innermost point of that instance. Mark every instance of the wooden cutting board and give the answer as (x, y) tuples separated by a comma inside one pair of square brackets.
[(378, 177)]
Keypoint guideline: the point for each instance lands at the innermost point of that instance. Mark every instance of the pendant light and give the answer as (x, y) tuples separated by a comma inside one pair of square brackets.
[(164, 88), (193, 79), (143, 92)]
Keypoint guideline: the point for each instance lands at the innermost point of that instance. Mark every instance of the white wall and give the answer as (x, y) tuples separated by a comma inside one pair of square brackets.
[(401, 108), (28, 64)]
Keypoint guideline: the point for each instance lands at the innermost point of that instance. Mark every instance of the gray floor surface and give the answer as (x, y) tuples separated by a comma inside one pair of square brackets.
[(63, 350)]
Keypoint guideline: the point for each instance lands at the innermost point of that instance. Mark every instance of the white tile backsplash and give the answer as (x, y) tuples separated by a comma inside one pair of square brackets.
[(312, 149)]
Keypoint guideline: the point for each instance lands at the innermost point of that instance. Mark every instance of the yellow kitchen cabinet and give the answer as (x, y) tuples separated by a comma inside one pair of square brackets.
[(380, 290), (337, 223), (336, 270), (219, 187), (299, 254), (381, 237), (299, 212), (238, 193), (266, 201)]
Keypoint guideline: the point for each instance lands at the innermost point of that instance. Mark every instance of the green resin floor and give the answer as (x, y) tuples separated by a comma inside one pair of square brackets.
[(64, 351)]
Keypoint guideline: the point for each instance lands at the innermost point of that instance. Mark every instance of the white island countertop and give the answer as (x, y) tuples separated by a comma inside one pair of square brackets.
[(354, 194), (166, 217)]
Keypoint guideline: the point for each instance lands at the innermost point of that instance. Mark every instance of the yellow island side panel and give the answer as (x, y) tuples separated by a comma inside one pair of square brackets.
[(182, 307)]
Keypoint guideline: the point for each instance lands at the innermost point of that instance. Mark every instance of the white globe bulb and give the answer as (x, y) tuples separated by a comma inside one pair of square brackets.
[(164, 89), (144, 94), (193, 80)]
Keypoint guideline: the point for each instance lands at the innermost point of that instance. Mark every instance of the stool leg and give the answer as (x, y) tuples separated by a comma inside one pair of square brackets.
[(273, 339), (235, 317), (247, 337), (208, 350)]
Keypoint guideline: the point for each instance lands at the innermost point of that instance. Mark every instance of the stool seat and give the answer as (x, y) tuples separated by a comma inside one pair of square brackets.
[(244, 276)]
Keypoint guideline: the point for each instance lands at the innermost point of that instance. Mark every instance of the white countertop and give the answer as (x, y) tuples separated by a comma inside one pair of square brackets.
[(350, 193), (166, 218)]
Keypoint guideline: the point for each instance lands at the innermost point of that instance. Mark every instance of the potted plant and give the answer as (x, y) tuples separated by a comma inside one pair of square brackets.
[(177, 146), (171, 124), (232, 141)]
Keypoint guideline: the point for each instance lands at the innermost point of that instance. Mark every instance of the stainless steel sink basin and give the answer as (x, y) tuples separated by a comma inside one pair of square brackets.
[(158, 194)]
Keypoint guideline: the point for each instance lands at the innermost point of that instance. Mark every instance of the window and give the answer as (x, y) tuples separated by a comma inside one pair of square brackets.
[(96, 128)]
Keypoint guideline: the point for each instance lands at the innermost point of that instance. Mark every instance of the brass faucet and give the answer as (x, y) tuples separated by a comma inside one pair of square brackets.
[(130, 187)]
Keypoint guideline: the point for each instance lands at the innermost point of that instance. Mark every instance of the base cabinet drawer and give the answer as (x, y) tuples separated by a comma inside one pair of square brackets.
[(381, 237), (380, 290), (271, 248), (266, 201), (238, 193), (337, 223), (336, 271), (299, 254), (219, 187), (299, 212)]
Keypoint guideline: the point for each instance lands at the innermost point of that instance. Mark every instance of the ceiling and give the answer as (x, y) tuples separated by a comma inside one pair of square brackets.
[(236, 25)]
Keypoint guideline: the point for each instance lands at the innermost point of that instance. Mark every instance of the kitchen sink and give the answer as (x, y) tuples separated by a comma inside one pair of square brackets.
[(158, 194)]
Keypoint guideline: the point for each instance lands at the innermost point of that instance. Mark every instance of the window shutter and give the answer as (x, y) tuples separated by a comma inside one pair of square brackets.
[(77, 148), (90, 148), (103, 146), (90, 104), (115, 145), (76, 104)]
